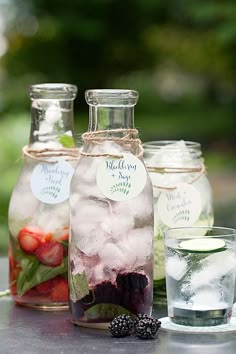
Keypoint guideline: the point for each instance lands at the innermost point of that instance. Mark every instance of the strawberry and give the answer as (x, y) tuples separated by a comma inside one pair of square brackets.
[(45, 287), (61, 234), (60, 292), (30, 238), (50, 253), (30, 292)]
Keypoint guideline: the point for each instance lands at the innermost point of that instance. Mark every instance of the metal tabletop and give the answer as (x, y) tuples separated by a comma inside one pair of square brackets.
[(28, 331)]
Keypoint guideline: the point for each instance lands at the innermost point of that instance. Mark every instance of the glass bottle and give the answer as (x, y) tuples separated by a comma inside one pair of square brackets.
[(182, 196), (39, 205), (111, 204)]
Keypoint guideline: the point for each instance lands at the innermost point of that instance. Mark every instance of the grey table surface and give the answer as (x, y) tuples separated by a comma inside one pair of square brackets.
[(28, 331)]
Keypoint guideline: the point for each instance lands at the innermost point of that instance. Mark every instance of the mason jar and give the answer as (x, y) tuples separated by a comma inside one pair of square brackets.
[(182, 195)]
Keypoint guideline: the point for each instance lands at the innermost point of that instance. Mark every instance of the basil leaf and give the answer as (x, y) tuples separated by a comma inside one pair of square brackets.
[(26, 280), (106, 312), (67, 141), (29, 266)]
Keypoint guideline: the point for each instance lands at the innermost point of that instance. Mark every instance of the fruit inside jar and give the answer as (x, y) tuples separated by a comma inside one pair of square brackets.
[(38, 267)]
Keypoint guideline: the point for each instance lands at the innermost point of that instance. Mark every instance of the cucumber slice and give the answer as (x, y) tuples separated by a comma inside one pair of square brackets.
[(202, 245)]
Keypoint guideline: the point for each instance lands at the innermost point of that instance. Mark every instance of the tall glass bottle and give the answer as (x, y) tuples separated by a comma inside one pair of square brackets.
[(39, 205), (182, 196), (111, 204)]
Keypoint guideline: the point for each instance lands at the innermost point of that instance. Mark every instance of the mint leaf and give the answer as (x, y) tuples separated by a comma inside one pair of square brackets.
[(105, 312), (78, 286), (67, 141), (27, 280)]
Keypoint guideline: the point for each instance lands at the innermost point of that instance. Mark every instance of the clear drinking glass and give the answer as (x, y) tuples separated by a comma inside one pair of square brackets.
[(39, 205), (180, 183), (200, 275), (111, 262)]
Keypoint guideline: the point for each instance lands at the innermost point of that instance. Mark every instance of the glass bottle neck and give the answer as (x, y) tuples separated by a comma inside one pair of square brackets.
[(109, 117), (52, 116), (111, 109)]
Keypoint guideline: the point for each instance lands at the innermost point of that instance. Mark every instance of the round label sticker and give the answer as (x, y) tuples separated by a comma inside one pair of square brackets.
[(121, 178), (50, 183), (180, 207)]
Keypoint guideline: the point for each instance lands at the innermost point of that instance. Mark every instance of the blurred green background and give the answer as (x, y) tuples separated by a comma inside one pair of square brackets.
[(179, 54)]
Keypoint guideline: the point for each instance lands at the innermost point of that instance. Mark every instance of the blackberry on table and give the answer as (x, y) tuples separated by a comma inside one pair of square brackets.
[(147, 327), (121, 326), (140, 317)]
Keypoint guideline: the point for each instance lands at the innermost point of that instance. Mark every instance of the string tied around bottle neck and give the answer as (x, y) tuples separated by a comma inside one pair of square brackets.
[(96, 137), (200, 170), (44, 154)]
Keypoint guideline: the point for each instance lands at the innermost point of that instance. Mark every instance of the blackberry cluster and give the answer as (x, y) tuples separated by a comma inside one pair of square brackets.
[(106, 292), (132, 282), (143, 326), (147, 327), (140, 317), (121, 326), (134, 291)]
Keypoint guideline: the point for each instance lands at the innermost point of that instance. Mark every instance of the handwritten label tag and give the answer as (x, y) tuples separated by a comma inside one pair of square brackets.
[(121, 179), (50, 183), (180, 207)]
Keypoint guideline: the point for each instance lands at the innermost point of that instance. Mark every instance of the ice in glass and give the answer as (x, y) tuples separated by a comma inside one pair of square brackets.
[(200, 275)]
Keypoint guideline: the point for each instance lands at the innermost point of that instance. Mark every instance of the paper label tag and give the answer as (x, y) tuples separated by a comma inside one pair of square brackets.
[(180, 207), (50, 183), (121, 179)]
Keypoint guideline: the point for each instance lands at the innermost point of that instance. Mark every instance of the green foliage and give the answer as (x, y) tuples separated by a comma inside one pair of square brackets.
[(180, 56)]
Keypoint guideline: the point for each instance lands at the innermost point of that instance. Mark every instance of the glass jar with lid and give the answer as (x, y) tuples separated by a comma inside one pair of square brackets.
[(182, 195)]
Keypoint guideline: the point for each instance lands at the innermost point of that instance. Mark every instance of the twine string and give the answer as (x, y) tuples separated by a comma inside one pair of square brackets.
[(95, 137), (43, 154), (201, 170)]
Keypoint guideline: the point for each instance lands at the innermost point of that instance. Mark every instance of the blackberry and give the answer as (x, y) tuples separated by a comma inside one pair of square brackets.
[(147, 327), (121, 326), (106, 292), (140, 317), (132, 282)]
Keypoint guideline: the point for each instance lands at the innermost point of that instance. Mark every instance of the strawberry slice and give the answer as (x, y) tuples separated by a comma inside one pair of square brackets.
[(29, 238), (60, 292), (50, 253), (61, 234), (45, 287)]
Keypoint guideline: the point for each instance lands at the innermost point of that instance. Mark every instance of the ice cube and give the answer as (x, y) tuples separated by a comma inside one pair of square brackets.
[(174, 153), (112, 256), (88, 238), (212, 268), (207, 298), (78, 266), (117, 225), (90, 210), (50, 219), (137, 246), (98, 274), (176, 267), (141, 207), (53, 114), (23, 206)]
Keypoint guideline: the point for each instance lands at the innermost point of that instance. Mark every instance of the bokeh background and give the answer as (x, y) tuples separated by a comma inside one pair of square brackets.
[(179, 54)]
